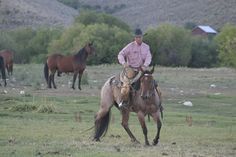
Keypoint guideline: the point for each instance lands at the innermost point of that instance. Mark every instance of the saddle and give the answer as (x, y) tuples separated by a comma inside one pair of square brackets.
[(116, 81), (128, 76)]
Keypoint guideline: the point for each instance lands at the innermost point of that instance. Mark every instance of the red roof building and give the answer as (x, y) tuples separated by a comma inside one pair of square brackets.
[(204, 31)]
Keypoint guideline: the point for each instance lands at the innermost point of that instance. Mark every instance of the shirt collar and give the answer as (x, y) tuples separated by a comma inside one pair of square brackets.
[(137, 43)]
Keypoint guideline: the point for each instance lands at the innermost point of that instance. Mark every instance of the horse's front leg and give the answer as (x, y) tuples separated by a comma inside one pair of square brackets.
[(156, 118), (141, 118), (49, 80), (74, 79), (125, 119), (80, 76), (5, 83), (53, 81), (11, 68)]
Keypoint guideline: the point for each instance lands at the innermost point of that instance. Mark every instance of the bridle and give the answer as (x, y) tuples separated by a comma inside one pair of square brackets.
[(151, 91)]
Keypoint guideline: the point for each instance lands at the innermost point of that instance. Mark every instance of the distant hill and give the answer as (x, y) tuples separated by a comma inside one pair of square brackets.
[(34, 13), (146, 13), (142, 13)]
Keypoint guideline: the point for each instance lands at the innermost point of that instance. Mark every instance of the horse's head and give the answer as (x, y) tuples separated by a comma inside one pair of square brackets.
[(147, 84), (89, 48)]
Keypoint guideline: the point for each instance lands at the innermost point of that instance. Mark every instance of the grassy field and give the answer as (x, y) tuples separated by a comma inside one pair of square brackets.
[(36, 121)]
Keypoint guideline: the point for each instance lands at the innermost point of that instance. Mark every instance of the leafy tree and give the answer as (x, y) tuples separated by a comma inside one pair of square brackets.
[(107, 41), (190, 25), (88, 18), (108, 34), (68, 42), (30, 45), (170, 45), (226, 41), (38, 45), (204, 53), (6, 41), (22, 37)]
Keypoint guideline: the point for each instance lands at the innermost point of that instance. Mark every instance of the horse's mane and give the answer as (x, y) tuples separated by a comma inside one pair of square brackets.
[(81, 55)]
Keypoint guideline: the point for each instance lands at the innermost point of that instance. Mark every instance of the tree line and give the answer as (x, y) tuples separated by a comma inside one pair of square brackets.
[(170, 45)]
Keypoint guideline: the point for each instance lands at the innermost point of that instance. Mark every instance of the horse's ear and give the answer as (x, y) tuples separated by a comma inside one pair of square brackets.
[(91, 43)]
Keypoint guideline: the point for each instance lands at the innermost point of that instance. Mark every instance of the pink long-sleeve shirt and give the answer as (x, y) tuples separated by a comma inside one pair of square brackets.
[(135, 55)]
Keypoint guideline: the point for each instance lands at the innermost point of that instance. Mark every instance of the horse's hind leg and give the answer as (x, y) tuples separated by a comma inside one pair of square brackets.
[(51, 80), (156, 118), (11, 68), (125, 119), (8, 70), (141, 119)]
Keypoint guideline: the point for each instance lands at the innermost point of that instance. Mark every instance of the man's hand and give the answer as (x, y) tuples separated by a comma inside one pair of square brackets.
[(125, 65), (144, 68)]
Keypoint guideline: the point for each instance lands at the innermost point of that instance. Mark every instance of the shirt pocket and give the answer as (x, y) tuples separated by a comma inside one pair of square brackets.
[(134, 55)]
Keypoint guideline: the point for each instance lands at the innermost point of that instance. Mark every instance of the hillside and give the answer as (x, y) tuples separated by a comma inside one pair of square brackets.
[(146, 13), (142, 13), (17, 13)]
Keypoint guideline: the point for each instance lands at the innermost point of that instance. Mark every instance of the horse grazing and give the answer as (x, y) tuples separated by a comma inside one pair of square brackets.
[(73, 63), (8, 60), (2, 68), (143, 101)]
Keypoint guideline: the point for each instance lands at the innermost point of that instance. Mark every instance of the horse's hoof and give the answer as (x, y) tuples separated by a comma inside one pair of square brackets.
[(147, 144), (96, 139), (73, 88), (135, 141), (155, 142)]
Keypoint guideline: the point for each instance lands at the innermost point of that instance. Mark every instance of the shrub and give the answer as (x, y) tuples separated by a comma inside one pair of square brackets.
[(170, 45), (24, 107), (203, 52), (226, 41), (108, 41), (46, 108)]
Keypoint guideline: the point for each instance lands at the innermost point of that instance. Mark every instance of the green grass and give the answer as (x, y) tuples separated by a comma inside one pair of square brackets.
[(27, 132)]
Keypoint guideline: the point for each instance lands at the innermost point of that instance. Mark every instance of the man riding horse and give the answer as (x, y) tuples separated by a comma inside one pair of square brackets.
[(134, 57)]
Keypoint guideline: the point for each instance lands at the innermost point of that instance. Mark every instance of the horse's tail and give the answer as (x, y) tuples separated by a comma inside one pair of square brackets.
[(46, 71), (2, 66), (101, 126)]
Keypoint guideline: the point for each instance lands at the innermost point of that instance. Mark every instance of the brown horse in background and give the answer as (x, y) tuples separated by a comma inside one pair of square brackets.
[(8, 60), (73, 63), (2, 68), (144, 101)]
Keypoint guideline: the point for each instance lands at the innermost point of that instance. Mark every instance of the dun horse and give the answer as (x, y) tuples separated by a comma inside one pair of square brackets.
[(60, 63), (8, 60), (2, 68), (144, 101)]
